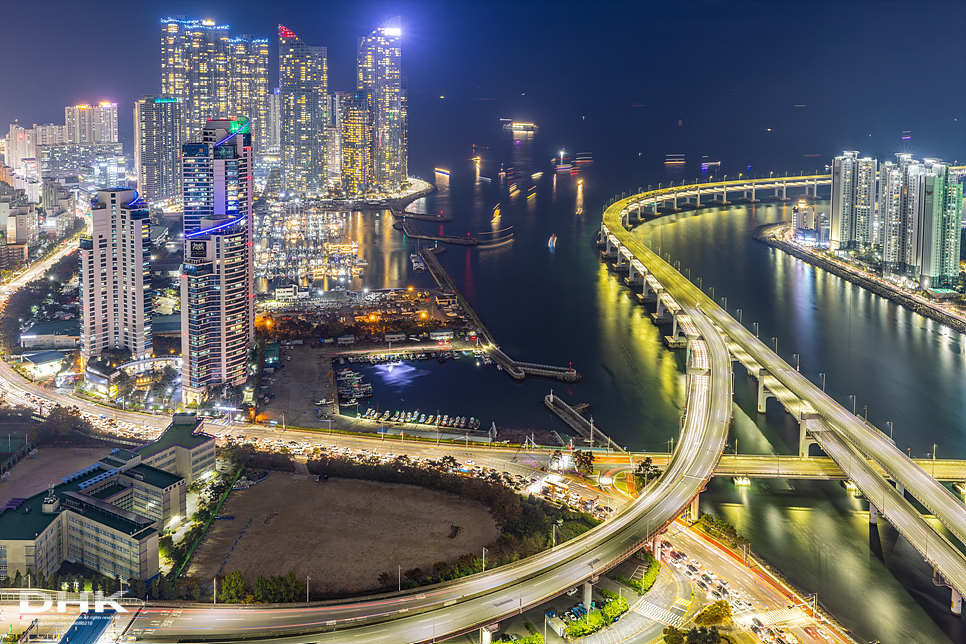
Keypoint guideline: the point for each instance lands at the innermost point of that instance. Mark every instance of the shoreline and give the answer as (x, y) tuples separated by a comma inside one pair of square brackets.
[(893, 295)]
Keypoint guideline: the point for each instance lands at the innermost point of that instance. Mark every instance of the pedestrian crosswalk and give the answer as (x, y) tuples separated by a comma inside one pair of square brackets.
[(684, 603), (657, 613)]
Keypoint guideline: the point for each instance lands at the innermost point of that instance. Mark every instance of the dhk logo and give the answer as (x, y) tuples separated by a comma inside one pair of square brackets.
[(62, 601)]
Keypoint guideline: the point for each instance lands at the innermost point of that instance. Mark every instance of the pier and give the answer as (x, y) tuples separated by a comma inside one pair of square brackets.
[(409, 229), (405, 214), (516, 370), (578, 423)]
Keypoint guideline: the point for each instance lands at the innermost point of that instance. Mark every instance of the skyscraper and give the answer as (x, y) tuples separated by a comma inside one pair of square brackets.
[(853, 201), (91, 123), (939, 222), (303, 83), (379, 75), (248, 92), (195, 62), (274, 121), (159, 131), (333, 139), (217, 293), (115, 276), (217, 307), (217, 173), (356, 130)]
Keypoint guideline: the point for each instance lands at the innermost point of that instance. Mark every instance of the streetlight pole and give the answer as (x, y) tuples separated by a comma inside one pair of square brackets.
[(756, 328), (739, 316), (890, 429), (307, 580), (852, 396), (797, 362), (400, 578), (823, 382), (776, 343)]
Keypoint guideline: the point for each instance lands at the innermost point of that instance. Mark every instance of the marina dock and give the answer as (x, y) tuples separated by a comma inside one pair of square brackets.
[(579, 424), (405, 214)]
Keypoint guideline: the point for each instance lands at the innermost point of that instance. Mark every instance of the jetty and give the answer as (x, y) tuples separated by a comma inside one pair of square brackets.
[(405, 214), (578, 423), (409, 229), (513, 368)]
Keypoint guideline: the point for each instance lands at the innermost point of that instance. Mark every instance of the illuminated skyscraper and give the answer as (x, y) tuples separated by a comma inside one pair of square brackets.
[(379, 75), (91, 123), (248, 95), (115, 276), (217, 292), (195, 63), (303, 83), (159, 132), (853, 201), (216, 173), (356, 130)]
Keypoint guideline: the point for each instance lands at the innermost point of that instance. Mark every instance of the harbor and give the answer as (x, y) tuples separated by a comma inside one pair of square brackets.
[(409, 229), (579, 424)]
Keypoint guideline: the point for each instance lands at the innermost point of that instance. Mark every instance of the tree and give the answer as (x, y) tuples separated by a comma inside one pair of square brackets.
[(232, 588), (717, 613), (385, 579), (703, 635), (18, 580), (448, 461), (555, 458), (584, 461), (647, 470), (673, 636), (261, 590)]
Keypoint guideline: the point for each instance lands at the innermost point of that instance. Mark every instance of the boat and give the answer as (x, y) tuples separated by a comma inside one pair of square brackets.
[(422, 418), (385, 415), (445, 421), (463, 422), (674, 159), (395, 417), (429, 421), (520, 127), (553, 242)]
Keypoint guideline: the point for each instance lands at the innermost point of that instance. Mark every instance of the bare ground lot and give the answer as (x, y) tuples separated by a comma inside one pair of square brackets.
[(341, 533), (31, 475)]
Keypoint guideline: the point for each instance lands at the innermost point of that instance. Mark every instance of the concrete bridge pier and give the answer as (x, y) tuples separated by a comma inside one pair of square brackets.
[(724, 195), (697, 198), (955, 602), (804, 440), (763, 393), (654, 206), (674, 323), (900, 488), (873, 514), (694, 510), (753, 192), (656, 546), (675, 201), (486, 637), (660, 306), (588, 594)]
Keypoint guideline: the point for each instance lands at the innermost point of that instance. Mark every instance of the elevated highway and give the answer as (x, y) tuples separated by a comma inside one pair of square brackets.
[(829, 425)]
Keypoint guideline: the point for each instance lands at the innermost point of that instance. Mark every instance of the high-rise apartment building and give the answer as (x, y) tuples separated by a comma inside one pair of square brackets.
[(274, 121), (91, 123), (303, 84), (115, 276), (333, 139), (939, 214), (355, 143), (51, 134), (217, 287), (195, 64), (895, 216), (379, 75), (248, 91), (21, 144), (217, 173), (159, 131), (853, 202)]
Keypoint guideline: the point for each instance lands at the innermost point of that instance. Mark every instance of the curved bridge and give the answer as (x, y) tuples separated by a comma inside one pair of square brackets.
[(847, 439)]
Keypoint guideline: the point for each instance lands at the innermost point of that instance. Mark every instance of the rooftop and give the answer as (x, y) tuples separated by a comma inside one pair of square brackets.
[(153, 476), (180, 432), (65, 327), (43, 357), (166, 323)]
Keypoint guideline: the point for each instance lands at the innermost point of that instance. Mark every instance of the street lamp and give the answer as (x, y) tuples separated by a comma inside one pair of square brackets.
[(724, 302), (852, 396), (775, 340), (797, 362), (890, 429), (756, 328), (739, 316), (307, 580), (823, 382)]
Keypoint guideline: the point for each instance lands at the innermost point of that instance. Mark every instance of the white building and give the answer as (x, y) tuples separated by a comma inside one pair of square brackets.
[(159, 131), (853, 202), (115, 278), (91, 123)]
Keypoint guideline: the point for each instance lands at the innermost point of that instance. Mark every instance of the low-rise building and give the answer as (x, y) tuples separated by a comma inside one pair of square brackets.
[(346, 339), (52, 335), (441, 334), (395, 337), (106, 516), (183, 449), (43, 363)]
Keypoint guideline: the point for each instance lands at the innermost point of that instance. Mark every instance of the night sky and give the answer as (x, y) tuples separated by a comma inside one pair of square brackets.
[(618, 75)]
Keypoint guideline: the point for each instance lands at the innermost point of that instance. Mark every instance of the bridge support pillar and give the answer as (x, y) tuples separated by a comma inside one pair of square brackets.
[(656, 546), (803, 438), (675, 201), (955, 602), (873, 514), (697, 198), (660, 306), (784, 190), (674, 323), (654, 206), (694, 510), (588, 595), (763, 394), (900, 488), (753, 192), (486, 637)]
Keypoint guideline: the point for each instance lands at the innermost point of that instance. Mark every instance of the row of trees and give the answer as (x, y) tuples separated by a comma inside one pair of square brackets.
[(583, 460), (278, 589), (723, 530), (701, 635)]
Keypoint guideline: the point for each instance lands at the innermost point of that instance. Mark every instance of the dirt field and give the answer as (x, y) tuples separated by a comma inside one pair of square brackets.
[(31, 475), (341, 533), (298, 386)]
